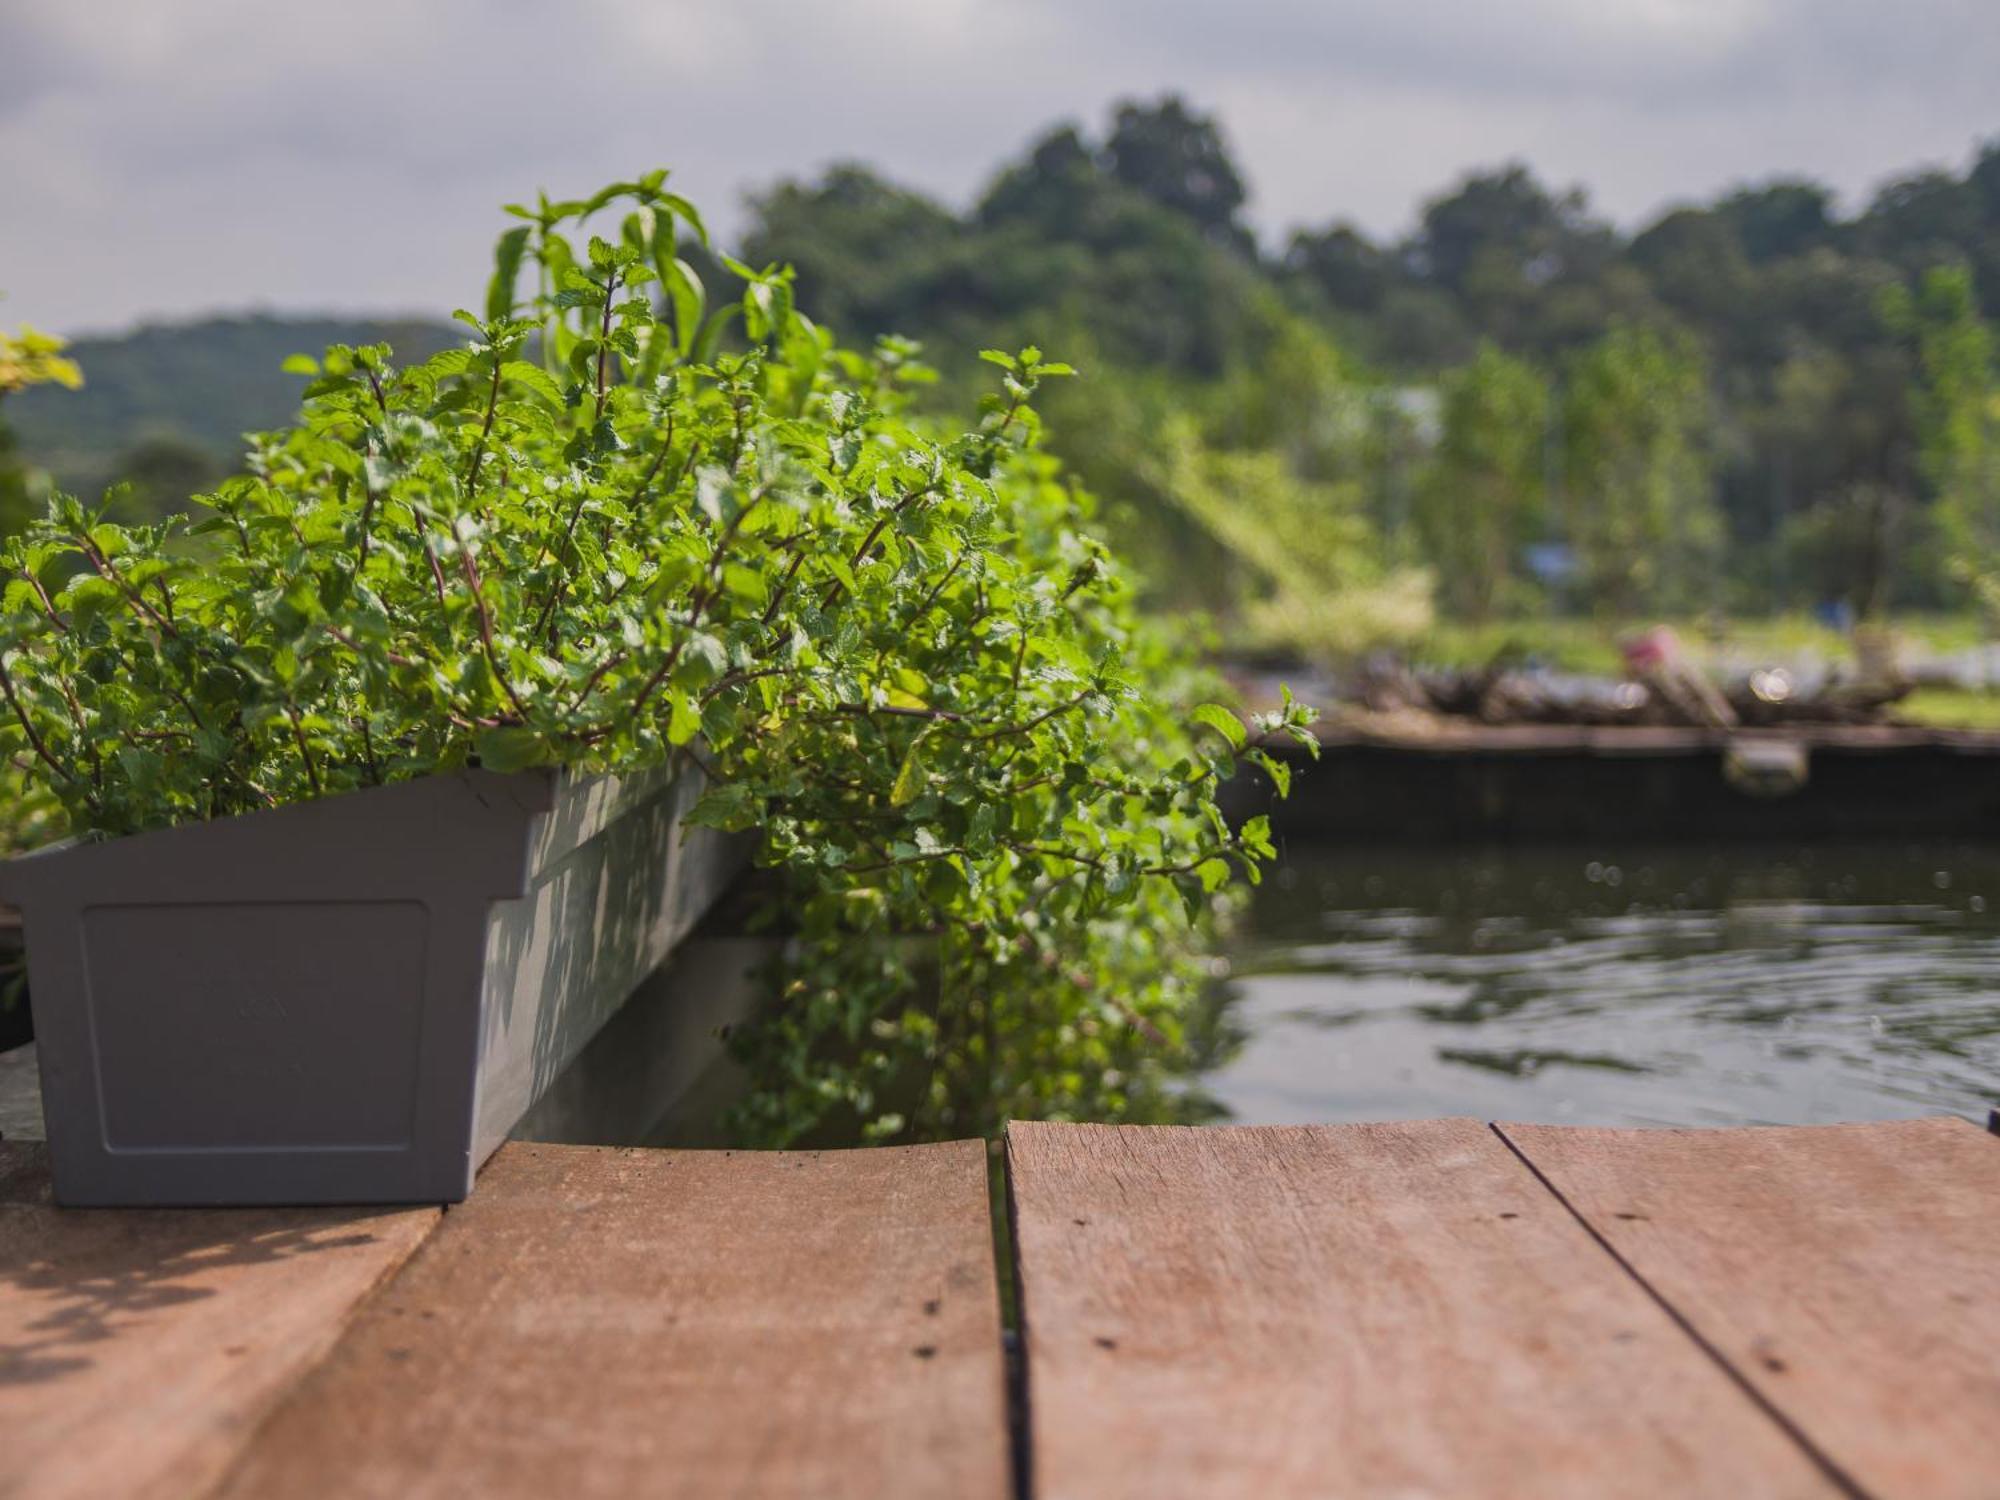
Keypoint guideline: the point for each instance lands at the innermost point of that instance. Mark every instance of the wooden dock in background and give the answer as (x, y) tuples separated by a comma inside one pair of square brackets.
[(1436, 1308)]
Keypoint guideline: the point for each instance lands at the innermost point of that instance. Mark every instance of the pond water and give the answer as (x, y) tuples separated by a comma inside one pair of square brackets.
[(1629, 986)]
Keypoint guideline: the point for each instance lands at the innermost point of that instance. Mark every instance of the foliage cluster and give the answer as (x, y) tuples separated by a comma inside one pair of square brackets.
[(592, 537)]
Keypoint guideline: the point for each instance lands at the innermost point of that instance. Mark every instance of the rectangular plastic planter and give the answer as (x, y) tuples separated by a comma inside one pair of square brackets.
[(351, 1000)]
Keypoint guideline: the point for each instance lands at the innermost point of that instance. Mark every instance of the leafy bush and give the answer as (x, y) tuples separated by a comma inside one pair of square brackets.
[(590, 539)]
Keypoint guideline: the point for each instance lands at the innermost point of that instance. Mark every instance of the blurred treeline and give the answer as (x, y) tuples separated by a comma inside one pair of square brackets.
[(1750, 405)]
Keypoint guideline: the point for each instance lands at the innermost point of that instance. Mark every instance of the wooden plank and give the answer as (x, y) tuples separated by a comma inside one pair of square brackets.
[(139, 1348), (598, 1322), (1373, 1310), (1850, 1273)]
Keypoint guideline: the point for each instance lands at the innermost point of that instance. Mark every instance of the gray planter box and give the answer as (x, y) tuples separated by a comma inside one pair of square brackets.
[(348, 1000)]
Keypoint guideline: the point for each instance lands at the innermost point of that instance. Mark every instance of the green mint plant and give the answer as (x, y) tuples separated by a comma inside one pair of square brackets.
[(595, 537)]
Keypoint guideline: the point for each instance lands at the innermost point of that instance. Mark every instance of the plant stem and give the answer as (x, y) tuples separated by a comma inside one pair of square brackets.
[(471, 571), (48, 606), (835, 588), (604, 346), (305, 751), (479, 448), (35, 740)]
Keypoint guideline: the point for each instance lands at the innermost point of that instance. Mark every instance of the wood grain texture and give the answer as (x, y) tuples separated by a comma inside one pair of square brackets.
[(1374, 1310), (139, 1348), (599, 1322), (1851, 1273)]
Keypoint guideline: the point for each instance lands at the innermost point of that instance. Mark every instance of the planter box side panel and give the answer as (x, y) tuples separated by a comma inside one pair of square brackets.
[(597, 920), (281, 1008)]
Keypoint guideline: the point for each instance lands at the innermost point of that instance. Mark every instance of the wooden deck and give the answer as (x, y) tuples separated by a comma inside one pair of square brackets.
[(1437, 1308)]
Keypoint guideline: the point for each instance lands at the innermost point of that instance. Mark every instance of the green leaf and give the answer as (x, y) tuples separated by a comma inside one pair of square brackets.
[(683, 719), (709, 339), (688, 298), (506, 271), (687, 212), (1279, 771), (910, 781), (731, 807), (512, 748), (1223, 722), (537, 380)]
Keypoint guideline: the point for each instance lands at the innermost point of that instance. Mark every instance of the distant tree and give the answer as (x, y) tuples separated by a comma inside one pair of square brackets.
[(1984, 182), (1061, 252), (1922, 221), (1847, 544), (1348, 269), (1052, 187), (1179, 159), (1786, 216), (867, 252), (1957, 406), (1984, 179), (1505, 224), (1483, 491), (1419, 329), (1695, 260), (1816, 451), (1527, 267), (1637, 504)]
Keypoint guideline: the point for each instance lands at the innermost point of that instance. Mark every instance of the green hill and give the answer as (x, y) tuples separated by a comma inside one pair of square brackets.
[(178, 397)]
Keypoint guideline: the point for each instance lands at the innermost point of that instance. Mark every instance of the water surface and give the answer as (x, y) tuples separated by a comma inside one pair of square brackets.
[(1630, 986)]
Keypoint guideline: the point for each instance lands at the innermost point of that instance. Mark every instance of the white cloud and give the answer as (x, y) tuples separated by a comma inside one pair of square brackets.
[(166, 159)]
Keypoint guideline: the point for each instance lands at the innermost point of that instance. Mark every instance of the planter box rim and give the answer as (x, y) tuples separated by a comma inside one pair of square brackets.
[(538, 791)]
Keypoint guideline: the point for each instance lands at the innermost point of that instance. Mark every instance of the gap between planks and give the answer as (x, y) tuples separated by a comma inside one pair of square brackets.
[(1848, 1275), (1277, 1311), (1839, 1477)]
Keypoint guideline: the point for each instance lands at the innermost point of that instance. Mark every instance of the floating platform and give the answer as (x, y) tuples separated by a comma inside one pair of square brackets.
[(1431, 1308), (1470, 782)]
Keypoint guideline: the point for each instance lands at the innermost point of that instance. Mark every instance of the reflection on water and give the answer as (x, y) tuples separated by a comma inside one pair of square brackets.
[(1622, 986)]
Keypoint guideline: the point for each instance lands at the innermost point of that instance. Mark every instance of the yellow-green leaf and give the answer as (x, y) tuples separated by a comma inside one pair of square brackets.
[(910, 781)]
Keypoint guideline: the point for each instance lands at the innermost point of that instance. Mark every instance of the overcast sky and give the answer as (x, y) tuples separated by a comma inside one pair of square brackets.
[(170, 157)]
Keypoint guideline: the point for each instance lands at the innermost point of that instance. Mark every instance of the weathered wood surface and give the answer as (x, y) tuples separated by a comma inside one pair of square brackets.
[(1377, 1310), (138, 1349), (599, 1322), (1850, 1273), (1426, 1309)]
